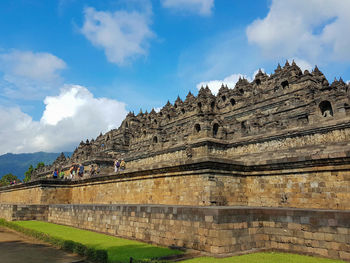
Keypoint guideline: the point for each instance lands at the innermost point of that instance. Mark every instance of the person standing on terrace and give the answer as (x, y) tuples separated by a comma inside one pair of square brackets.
[(122, 165), (81, 170), (116, 166), (55, 174), (92, 170), (72, 171)]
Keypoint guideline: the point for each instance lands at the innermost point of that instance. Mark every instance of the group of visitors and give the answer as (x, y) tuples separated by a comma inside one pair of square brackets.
[(76, 171), (119, 165), (58, 173)]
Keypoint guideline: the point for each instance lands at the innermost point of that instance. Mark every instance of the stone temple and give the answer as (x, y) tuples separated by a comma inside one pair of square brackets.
[(263, 166)]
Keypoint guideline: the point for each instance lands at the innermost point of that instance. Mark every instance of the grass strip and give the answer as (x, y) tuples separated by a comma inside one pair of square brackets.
[(118, 249), (92, 254), (264, 257)]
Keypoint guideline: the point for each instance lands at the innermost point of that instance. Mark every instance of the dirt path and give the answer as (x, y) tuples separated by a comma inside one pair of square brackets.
[(17, 248)]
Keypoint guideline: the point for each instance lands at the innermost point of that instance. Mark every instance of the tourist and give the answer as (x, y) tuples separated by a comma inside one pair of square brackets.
[(55, 174), (92, 170), (61, 175), (81, 170), (73, 171), (122, 165), (116, 166)]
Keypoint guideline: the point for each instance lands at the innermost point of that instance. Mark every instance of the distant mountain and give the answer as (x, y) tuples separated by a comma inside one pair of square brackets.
[(18, 164)]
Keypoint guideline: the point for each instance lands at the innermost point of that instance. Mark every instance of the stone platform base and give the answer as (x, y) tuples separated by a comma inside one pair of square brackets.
[(16, 212), (215, 230)]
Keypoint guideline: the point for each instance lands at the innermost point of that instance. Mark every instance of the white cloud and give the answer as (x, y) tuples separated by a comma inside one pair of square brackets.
[(122, 35), (17, 128), (36, 66), (302, 64), (215, 85), (317, 30), (74, 115), (29, 75), (201, 7), (230, 81)]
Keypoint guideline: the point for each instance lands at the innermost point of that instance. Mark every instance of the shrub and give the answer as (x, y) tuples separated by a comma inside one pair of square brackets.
[(79, 249), (90, 253), (68, 245), (148, 261), (101, 256)]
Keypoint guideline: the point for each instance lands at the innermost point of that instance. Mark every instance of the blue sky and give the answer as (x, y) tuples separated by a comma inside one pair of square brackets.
[(70, 69)]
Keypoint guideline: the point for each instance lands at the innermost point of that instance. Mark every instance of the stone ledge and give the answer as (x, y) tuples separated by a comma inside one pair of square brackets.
[(224, 215), (201, 166)]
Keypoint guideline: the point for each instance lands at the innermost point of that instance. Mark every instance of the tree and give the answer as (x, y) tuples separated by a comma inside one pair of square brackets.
[(28, 174), (39, 165), (8, 178)]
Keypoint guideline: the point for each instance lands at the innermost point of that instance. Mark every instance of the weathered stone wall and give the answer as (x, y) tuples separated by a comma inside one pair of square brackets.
[(35, 193), (172, 188), (206, 220), (16, 195), (327, 188), (6, 211), (12, 212), (56, 195), (217, 230), (301, 188), (200, 184)]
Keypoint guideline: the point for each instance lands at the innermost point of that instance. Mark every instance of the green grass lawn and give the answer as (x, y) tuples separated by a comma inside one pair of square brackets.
[(119, 249), (268, 257)]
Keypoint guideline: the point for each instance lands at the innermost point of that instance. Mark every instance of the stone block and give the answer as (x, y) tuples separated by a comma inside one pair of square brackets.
[(344, 255), (343, 230), (209, 219)]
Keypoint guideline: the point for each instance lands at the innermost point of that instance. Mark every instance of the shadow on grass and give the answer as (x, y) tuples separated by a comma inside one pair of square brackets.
[(138, 252)]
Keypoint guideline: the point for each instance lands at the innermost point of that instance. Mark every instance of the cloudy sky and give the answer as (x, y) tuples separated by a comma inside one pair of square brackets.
[(70, 69)]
